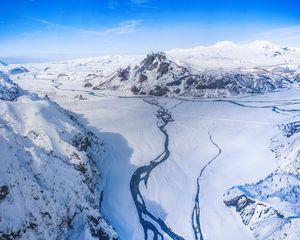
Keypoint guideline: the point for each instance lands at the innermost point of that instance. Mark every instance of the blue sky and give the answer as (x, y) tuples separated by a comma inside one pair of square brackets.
[(94, 27)]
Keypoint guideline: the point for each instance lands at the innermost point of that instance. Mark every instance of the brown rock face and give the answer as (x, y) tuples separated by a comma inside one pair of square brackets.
[(3, 192), (163, 68), (143, 78), (123, 74), (87, 85), (159, 91)]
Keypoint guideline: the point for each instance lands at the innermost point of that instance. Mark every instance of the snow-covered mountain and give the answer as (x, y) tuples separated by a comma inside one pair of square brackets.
[(159, 75), (3, 63), (50, 184), (18, 70), (8, 89), (228, 55), (224, 69), (123, 153)]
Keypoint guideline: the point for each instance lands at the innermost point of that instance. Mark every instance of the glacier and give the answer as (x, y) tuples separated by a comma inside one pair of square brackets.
[(199, 143)]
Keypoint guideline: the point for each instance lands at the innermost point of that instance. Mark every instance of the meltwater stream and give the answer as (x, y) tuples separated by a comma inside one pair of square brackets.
[(196, 214), (149, 222)]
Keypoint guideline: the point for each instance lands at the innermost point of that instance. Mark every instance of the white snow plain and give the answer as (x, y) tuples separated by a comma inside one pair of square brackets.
[(128, 125)]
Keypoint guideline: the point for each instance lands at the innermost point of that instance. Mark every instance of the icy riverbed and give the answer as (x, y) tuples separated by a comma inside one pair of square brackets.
[(241, 127)]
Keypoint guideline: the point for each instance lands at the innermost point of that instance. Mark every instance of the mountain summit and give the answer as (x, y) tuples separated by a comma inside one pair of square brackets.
[(159, 75)]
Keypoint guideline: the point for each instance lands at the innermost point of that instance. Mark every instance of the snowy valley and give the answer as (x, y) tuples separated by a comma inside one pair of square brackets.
[(198, 143)]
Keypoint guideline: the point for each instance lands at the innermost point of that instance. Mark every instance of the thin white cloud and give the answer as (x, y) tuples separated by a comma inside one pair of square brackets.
[(140, 1), (113, 4), (284, 30), (50, 25), (125, 27), (285, 34)]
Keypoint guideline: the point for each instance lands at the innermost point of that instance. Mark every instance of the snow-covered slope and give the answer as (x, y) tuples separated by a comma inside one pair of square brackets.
[(224, 69), (50, 184), (8, 89), (229, 56), (90, 70), (3, 63), (158, 75), (12, 69), (241, 127), (175, 168), (271, 206), (18, 70)]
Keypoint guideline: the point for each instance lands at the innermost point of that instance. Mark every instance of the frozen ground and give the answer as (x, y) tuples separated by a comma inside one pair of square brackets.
[(129, 127), (182, 167)]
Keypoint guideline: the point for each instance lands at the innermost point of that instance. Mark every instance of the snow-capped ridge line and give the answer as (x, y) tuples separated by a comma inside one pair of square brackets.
[(159, 74), (256, 44)]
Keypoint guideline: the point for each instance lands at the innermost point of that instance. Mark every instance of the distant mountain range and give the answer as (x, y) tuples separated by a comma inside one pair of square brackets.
[(3, 63), (249, 69), (222, 70)]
